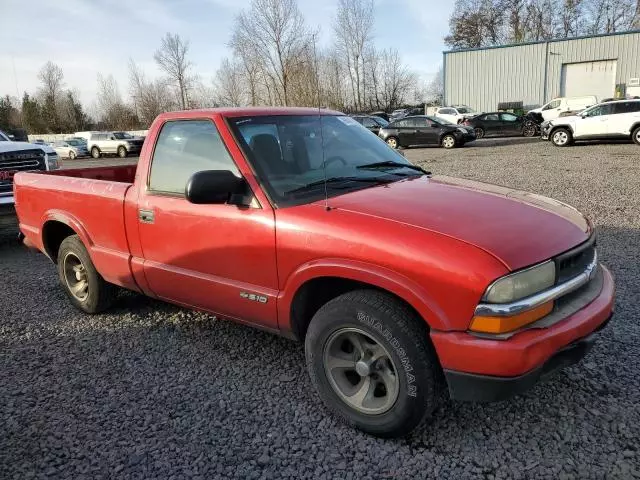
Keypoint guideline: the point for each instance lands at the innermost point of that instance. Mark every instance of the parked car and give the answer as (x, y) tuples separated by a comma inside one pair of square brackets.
[(398, 114), (371, 123), (455, 114), (119, 143), (39, 141), (424, 130), (70, 149), (380, 114), (399, 284), (557, 106), (501, 124), (611, 120), (16, 157)]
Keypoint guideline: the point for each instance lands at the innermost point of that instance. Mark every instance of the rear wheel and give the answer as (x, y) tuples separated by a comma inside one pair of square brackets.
[(82, 283), (448, 141), (72, 155), (393, 142), (636, 136), (122, 152), (561, 137), (479, 133), (370, 359), (95, 152)]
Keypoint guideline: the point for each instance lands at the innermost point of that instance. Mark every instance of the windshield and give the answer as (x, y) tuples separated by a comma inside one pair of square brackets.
[(121, 135), (3, 137), (440, 121), (74, 143), (288, 152), (380, 121)]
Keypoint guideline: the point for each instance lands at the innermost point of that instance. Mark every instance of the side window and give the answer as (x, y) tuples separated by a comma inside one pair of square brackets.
[(183, 148), (492, 117), (508, 117), (401, 123), (599, 110), (368, 122), (446, 111), (626, 107)]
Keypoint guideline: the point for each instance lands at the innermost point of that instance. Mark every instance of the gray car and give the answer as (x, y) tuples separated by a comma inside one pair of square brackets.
[(118, 143), (70, 149)]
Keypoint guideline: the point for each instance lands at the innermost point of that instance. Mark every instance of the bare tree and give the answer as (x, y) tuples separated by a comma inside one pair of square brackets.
[(353, 30), (171, 57), (476, 23), (51, 77), (276, 31), (435, 90), (112, 111), (229, 84), (150, 97), (396, 79)]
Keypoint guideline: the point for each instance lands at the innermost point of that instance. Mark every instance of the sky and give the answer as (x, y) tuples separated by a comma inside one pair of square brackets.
[(87, 37)]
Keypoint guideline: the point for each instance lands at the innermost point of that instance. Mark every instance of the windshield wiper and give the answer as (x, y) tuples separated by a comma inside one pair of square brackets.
[(390, 163), (334, 180)]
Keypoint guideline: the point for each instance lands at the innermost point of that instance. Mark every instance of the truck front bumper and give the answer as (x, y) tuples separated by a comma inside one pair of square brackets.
[(485, 369)]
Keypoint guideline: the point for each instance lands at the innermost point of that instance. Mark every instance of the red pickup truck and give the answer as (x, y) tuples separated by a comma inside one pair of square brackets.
[(303, 223)]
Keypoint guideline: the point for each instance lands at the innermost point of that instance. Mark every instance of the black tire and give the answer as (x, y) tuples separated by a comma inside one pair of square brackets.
[(99, 294), (72, 155), (561, 137), (479, 133), (95, 152), (403, 335), (448, 141), (122, 152), (636, 136), (393, 142), (529, 131)]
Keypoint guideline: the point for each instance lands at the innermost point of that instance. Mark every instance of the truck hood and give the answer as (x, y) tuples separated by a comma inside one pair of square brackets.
[(21, 146), (518, 228)]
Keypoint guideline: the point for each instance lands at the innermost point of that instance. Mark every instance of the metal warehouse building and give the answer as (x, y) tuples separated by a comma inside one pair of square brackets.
[(534, 73)]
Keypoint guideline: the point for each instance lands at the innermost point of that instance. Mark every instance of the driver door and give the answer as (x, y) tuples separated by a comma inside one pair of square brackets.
[(428, 131), (219, 258)]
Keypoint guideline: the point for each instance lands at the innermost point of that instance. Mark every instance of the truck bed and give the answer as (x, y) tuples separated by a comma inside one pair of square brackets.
[(91, 202)]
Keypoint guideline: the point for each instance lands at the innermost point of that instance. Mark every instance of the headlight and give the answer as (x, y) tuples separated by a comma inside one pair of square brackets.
[(51, 160), (521, 284)]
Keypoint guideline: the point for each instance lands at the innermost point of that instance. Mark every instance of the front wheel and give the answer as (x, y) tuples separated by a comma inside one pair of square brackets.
[(448, 141), (122, 152), (72, 155), (479, 133), (82, 283), (393, 142), (95, 152), (529, 131), (561, 137), (636, 136), (371, 362)]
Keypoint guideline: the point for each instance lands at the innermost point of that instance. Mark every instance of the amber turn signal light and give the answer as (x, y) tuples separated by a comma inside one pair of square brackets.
[(499, 325)]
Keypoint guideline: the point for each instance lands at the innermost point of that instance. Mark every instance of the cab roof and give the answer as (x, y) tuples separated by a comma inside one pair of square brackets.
[(231, 112)]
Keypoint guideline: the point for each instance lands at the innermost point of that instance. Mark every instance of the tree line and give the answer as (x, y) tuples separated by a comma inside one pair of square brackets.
[(275, 59), (483, 23)]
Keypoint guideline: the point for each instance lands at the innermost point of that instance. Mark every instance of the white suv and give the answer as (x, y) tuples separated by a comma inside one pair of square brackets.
[(456, 114), (617, 119)]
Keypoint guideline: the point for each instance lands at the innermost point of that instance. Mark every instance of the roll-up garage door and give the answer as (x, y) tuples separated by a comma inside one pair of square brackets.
[(589, 78)]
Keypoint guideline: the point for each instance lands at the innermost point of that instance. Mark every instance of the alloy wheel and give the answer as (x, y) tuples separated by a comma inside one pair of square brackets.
[(361, 371)]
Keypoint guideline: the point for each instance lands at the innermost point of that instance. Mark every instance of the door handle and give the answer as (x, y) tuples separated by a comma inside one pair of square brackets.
[(146, 216)]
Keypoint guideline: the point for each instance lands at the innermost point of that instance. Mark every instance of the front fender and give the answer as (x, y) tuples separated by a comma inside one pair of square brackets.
[(380, 277)]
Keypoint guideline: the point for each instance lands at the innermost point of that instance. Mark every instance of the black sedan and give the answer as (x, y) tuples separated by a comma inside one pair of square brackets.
[(370, 122), (423, 130), (502, 124)]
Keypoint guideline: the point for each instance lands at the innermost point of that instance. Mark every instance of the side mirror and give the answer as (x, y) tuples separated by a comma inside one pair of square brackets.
[(213, 187)]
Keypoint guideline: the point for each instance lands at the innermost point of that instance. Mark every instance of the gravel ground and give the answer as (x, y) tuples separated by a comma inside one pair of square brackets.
[(153, 391)]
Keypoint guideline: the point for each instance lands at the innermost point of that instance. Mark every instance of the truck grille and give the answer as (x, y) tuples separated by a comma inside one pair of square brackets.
[(575, 261), (13, 162)]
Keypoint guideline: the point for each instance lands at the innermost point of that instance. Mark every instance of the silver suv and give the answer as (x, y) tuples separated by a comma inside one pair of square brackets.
[(119, 143)]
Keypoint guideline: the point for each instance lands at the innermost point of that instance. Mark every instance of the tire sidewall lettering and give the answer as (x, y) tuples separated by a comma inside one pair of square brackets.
[(412, 389)]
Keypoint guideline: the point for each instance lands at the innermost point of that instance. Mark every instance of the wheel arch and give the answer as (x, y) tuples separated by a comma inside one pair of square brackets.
[(315, 285), (56, 226)]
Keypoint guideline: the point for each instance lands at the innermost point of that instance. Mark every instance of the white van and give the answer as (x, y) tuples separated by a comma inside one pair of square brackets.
[(559, 105)]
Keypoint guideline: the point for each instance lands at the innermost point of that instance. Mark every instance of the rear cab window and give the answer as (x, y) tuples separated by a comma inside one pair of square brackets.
[(185, 147)]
